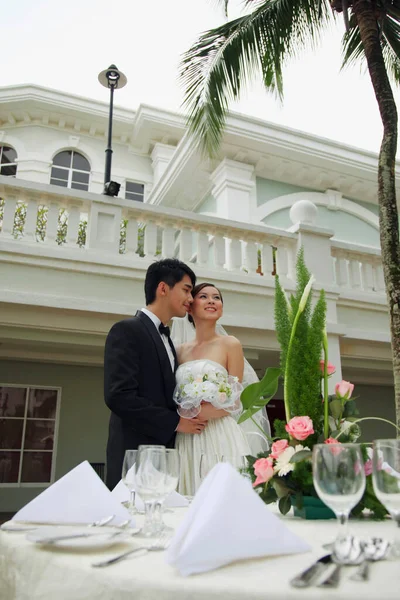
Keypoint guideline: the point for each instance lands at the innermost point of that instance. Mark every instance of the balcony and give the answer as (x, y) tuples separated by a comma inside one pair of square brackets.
[(66, 282)]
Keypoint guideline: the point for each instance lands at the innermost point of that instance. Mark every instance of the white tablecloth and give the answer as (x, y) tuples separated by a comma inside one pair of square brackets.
[(29, 572)]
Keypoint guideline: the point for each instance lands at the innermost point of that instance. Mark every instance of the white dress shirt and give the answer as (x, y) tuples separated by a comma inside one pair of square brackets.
[(164, 338)]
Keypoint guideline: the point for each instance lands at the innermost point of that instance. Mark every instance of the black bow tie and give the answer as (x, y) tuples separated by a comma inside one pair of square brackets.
[(164, 330)]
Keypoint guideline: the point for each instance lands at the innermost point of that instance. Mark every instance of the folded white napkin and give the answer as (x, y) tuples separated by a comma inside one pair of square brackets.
[(121, 493), (78, 497), (227, 521)]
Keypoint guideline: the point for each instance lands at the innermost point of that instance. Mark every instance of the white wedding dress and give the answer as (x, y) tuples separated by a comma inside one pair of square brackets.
[(220, 438)]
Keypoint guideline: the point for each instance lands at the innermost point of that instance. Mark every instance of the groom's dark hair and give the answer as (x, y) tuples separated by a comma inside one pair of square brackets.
[(169, 270)]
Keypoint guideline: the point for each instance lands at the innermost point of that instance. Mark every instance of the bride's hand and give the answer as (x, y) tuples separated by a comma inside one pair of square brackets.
[(208, 411), (195, 425)]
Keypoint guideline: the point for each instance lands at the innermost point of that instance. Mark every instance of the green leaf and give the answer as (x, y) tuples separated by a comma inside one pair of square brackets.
[(256, 395), (285, 504), (336, 408), (300, 456)]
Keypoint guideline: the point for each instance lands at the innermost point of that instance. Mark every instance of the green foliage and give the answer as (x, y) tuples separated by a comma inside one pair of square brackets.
[(256, 395), (280, 431), (302, 368)]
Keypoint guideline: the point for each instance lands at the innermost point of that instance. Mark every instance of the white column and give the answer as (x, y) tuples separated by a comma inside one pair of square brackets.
[(104, 227), (233, 184)]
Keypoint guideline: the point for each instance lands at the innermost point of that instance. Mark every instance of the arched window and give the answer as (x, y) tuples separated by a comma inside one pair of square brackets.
[(8, 161), (70, 169)]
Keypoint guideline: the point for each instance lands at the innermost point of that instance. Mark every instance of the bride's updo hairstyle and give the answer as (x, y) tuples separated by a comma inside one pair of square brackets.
[(196, 290)]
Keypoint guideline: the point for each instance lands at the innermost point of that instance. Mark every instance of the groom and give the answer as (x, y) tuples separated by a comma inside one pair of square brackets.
[(139, 368)]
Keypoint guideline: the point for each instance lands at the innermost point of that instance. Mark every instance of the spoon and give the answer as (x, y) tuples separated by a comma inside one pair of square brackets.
[(346, 551)]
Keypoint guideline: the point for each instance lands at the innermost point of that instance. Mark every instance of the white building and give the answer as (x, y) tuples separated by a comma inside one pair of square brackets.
[(58, 301)]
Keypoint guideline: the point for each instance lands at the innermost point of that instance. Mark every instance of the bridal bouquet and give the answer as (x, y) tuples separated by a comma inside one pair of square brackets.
[(203, 381), (312, 416)]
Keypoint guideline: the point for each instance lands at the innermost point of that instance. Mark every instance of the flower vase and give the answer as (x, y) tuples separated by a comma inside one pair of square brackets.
[(313, 508)]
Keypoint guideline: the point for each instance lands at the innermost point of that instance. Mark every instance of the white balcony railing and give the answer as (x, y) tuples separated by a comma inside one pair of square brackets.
[(100, 228)]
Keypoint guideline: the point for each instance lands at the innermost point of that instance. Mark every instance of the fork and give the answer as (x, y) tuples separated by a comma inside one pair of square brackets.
[(161, 543)]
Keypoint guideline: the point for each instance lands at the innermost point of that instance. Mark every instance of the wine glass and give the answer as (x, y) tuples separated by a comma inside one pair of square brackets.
[(339, 480), (171, 482), (238, 462), (207, 463), (128, 477), (386, 482), (150, 483)]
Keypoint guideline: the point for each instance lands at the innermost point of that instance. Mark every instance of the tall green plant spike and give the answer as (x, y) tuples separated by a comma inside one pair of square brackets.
[(282, 321)]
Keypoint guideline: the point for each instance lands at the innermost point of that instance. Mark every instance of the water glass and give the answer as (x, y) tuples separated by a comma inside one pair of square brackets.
[(151, 483), (207, 463), (128, 477), (171, 482), (386, 482), (339, 480)]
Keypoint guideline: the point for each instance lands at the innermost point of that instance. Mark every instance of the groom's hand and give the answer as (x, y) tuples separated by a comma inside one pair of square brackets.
[(195, 425)]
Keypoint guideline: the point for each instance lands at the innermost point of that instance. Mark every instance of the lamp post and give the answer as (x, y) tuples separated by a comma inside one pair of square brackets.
[(111, 78)]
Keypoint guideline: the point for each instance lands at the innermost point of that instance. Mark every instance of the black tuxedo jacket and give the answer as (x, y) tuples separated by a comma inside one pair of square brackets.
[(138, 389)]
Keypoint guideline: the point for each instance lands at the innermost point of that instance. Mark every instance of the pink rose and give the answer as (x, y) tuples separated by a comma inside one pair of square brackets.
[(331, 367), (263, 470), (330, 440), (368, 467), (278, 447), (300, 428), (344, 389)]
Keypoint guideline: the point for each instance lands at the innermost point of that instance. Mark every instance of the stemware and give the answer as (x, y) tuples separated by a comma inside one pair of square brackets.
[(207, 463), (238, 462), (171, 482), (128, 477), (386, 482), (339, 480), (150, 483)]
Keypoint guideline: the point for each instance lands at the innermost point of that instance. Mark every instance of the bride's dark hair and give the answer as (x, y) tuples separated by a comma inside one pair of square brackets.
[(197, 289)]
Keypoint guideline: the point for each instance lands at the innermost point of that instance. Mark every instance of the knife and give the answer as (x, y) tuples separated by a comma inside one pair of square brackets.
[(307, 577)]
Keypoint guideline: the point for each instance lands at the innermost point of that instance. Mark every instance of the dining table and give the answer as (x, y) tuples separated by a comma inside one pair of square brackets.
[(29, 571)]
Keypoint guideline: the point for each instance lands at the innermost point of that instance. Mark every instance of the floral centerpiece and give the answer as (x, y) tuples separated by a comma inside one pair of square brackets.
[(312, 416)]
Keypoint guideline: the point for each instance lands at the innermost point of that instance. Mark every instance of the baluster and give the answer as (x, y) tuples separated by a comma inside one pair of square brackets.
[(30, 221), (132, 230), (185, 245), (355, 274), (251, 257), (267, 260), (168, 242), (379, 278), (74, 216), (342, 277), (282, 262), (10, 207), (52, 223), (367, 277), (150, 239), (234, 254), (219, 251), (202, 248)]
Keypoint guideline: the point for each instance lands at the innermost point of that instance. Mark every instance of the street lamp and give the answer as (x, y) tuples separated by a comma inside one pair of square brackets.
[(111, 78)]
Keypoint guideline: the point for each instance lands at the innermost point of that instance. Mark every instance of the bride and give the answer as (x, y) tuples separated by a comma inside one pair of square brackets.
[(206, 352)]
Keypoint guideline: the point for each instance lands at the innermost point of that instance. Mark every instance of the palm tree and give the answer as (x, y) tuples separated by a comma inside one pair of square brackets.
[(224, 59)]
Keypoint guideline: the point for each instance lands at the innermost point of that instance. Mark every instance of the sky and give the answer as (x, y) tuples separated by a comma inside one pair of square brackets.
[(64, 45)]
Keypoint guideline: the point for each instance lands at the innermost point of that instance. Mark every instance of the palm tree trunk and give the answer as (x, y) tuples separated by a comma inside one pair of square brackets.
[(364, 11)]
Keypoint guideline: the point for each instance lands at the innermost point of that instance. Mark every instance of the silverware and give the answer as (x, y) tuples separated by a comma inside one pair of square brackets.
[(374, 549), (311, 574), (15, 528), (347, 551), (73, 536), (161, 544)]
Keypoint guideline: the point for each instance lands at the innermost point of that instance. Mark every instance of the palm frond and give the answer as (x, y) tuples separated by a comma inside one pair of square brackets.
[(223, 60)]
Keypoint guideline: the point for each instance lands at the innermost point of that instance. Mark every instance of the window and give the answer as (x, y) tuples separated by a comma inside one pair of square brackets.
[(70, 169), (28, 419), (134, 191), (8, 161)]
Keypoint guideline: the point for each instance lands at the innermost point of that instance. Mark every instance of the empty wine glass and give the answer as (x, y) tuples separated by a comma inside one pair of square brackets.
[(207, 463), (171, 482), (128, 477), (339, 480), (150, 483), (386, 482)]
